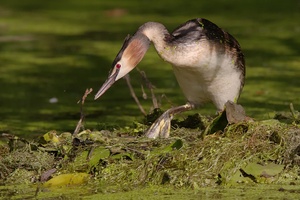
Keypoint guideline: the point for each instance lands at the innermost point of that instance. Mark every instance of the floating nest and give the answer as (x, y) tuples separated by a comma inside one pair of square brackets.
[(246, 152)]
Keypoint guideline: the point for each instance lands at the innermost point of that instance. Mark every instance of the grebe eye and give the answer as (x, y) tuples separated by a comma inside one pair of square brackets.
[(118, 66)]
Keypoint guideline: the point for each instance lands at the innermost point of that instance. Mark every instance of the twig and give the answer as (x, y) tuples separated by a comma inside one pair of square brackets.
[(127, 78), (79, 124), (144, 93), (150, 86), (295, 115)]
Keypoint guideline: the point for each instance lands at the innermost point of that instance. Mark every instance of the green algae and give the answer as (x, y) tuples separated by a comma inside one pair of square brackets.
[(245, 154), (47, 57)]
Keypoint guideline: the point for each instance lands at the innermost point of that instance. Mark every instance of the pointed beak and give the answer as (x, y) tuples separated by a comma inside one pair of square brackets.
[(107, 84)]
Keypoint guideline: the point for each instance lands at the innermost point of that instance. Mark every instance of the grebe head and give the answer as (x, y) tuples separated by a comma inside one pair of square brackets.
[(131, 53)]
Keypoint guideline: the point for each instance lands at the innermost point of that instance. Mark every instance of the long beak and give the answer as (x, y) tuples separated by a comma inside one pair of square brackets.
[(107, 84)]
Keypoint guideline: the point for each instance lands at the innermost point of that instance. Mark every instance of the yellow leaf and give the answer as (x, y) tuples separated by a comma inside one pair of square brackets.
[(68, 179), (51, 137)]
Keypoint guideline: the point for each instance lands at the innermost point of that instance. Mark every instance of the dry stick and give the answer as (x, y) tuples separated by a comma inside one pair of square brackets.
[(151, 87), (79, 124), (144, 93), (127, 78), (294, 113)]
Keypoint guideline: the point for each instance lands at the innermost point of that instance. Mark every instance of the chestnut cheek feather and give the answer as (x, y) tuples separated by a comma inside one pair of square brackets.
[(134, 52)]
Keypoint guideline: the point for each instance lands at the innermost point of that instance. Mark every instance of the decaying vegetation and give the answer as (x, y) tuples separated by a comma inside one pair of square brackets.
[(247, 152)]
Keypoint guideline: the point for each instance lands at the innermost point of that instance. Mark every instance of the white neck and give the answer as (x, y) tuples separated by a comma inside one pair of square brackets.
[(156, 32)]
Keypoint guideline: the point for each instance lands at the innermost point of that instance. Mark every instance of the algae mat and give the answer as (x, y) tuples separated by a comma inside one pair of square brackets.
[(246, 158), (162, 192)]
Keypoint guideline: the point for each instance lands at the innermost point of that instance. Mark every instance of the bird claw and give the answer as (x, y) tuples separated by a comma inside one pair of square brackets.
[(160, 128)]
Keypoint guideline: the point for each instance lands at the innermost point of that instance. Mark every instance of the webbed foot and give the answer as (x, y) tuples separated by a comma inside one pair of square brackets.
[(162, 126)]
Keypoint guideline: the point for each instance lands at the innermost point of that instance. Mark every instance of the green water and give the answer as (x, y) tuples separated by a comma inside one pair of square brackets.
[(154, 192), (248, 192), (58, 49)]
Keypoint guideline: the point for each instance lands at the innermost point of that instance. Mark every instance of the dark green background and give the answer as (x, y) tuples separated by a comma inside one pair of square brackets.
[(60, 48)]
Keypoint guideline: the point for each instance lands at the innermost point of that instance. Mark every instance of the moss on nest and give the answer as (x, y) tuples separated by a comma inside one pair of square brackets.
[(243, 153)]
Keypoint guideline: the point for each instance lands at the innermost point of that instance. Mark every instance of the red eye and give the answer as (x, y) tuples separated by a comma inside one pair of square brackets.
[(118, 66)]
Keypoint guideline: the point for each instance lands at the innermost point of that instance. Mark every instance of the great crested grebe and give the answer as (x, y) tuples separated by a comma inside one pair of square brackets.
[(207, 61)]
